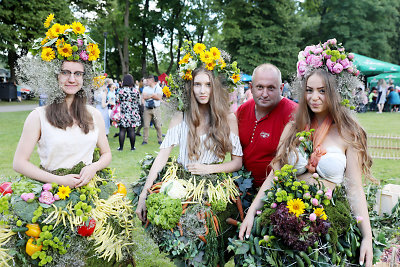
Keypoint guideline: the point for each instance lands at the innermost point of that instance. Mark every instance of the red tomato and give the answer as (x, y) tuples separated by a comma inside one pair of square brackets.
[(5, 188), (87, 229)]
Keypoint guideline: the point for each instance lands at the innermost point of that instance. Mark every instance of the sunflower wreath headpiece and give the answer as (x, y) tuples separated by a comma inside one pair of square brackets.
[(196, 56), (60, 43), (332, 56)]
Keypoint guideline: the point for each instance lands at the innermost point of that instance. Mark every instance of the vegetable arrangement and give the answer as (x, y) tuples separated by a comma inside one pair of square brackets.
[(46, 224), (187, 213)]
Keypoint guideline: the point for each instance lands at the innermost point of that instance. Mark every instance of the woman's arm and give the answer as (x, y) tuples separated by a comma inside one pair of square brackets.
[(104, 99), (356, 197), (21, 164), (87, 173)]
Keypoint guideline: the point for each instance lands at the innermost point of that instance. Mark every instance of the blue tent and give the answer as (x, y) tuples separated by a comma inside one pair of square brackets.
[(245, 77)]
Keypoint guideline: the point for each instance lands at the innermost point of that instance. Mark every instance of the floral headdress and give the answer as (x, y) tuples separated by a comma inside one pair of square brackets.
[(60, 43), (197, 56), (331, 56)]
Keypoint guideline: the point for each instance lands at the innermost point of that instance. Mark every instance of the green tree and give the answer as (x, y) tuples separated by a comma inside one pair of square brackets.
[(256, 31)]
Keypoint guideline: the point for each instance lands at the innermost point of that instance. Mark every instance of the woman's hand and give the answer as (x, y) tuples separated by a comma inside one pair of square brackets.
[(141, 207), (366, 252), (87, 173), (246, 226), (70, 180), (199, 169)]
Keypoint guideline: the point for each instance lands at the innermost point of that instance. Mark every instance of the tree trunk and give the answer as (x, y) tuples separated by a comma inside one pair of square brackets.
[(125, 60), (179, 50), (12, 59), (144, 47), (171, 53), (120, 53), (155, 58)]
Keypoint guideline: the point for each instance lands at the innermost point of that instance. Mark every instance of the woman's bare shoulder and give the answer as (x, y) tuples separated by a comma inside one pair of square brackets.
[(176, 119)]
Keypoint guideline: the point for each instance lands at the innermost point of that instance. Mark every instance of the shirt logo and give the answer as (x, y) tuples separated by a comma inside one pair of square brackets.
[(264, 135)]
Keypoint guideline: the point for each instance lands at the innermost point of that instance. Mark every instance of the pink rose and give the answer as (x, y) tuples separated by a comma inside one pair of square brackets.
[(345, 63), (330, 64), (315, 175), (328, 195), (301, 138), (320, 192), (258, 212), (46, 197), (276, 178), (47, 187), (350, 69), (56, 197), (315, 61), (340, 49), (315, 202), (337, 68), (80, 42), (27, 196), (274, 205), (318, 50), (83, 55), (350, 56), (357, 73), (309, 48), (313, 217), (307, 196), (332, 41), (301, 68)]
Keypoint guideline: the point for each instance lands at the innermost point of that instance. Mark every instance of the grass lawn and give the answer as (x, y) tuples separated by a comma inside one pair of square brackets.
[(126, 162), (32, 101)]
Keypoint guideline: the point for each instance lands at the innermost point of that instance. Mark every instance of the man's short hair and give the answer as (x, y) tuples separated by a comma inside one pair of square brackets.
[(267, 66), (154, 77)]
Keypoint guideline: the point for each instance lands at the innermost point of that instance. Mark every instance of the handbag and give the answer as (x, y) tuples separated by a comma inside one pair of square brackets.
[(150, 104), (116, 113)]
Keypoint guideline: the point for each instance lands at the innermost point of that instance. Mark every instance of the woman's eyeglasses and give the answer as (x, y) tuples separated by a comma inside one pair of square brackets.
[(67, 73)]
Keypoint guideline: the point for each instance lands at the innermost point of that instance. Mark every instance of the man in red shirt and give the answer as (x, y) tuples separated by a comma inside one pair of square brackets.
[(262, 119)]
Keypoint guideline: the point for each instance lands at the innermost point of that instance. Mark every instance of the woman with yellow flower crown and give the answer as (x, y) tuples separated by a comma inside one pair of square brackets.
[(70, 211), (184, 211)]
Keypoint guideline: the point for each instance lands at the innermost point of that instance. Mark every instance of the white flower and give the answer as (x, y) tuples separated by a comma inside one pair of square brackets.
[(301, 57), (191, 64), (174, 189)]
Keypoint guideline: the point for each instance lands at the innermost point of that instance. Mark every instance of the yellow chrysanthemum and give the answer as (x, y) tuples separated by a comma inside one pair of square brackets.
[(166, 91), (216, 54), (185, 59), (210, 65), (65, 50), (60, 43), (235, 77), (48, 54), (94, 51), (296, 206), (78, 28), (206, 56), (320, 213), (56, 30), (223, 64), (48, 20), (63, 192), (188, 75), (199, 47)]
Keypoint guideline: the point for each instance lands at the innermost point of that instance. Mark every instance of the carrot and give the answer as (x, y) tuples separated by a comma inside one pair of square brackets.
[(240, 208), (207, 204), (155, 187), (216, 223), (202, 238), (147, 224), (156, 191), (159, 183), (232, 221), (183, 211), (149, 190), (205, 226), (233, 199), (248, 193), (186, 204), (172, 230), (180, 229)]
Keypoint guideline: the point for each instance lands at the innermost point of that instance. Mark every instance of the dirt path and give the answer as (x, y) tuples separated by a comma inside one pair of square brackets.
[(14, 108)]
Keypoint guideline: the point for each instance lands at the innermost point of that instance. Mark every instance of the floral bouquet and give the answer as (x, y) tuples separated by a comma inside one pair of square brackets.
[(197, 56), (48, 224), (187, 214), (300, 224)]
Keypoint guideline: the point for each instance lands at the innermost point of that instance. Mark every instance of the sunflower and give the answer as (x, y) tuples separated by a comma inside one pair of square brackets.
[(60, 43), (210, 65), (198, 48), (94, 51), (296, 206), (48, 54), (206, 56), (63, 192), (78, 28), (48, 20), (56, 30), (320, 213), (185, 59), (45, 40), (216, 54), (188, 75), (65, 50), (235, 77), (223, 64), (166, 91)]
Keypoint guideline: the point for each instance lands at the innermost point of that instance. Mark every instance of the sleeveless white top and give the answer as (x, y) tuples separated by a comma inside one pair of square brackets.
[(177, 135), (331, 166), (58, 148)]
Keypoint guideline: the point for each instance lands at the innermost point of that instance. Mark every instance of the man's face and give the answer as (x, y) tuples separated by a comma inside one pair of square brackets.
[(266, 89)]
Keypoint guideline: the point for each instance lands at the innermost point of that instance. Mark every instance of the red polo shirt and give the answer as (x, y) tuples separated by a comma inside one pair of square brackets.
[(260, 139)]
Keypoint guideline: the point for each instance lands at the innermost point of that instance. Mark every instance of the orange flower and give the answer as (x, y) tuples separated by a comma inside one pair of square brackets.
[(235, 77)]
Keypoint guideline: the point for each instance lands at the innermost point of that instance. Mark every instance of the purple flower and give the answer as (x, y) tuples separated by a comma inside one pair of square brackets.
[(350, 56), (315, 61), (337, 68), (315, 202), (47, 187), (80, 42), (345, 63), (301, 68), (83, 55), (46, 197), (27, 196), (313, 217), (274, 205)]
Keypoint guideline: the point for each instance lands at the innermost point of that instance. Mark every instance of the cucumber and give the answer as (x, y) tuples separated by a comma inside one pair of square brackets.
[(305, 257), (252, 249), (19, 229), (348, 252), (257, 246), (309, 250), (328, 237), (330, 250), (333, 259), (299, 261), (316, 255), (258, 226), (339, 247), (253, 230), (264, 230), (316, 244)]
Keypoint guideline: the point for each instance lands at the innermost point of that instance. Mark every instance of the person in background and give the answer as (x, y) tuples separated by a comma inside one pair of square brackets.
[(372, 97), (393, 100), (152, 95), (142, 83), (100, 101), (382, 93)]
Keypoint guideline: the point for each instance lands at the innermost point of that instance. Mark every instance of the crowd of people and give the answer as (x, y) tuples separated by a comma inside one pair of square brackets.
[(384, 97)]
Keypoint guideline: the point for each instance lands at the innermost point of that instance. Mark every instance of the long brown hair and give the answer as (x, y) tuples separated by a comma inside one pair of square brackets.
[(217, 139), (349, 129)]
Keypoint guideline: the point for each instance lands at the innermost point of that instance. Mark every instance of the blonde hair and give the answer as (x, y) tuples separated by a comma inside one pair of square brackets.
[(217, 139), (349, 129)]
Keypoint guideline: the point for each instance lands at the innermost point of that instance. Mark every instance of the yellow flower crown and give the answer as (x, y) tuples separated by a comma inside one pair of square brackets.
[(66, 42), (198, 56)]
